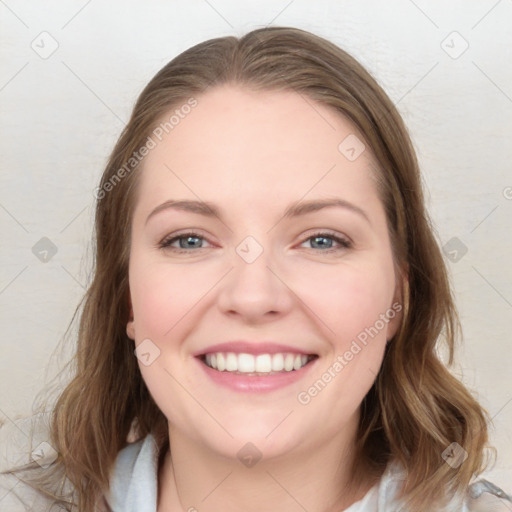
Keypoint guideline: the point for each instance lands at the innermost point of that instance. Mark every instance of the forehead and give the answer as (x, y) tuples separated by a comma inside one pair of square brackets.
[(263, 145)]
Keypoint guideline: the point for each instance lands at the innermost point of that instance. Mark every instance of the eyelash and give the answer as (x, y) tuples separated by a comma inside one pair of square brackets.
[(344, 242)]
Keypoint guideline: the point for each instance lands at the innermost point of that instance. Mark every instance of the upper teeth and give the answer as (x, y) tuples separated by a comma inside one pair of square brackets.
[(248, 363)]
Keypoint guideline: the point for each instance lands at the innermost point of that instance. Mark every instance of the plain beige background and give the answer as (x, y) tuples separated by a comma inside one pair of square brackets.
[(71, 71)]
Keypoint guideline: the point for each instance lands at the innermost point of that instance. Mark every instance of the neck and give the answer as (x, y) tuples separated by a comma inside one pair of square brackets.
[(316, 479)]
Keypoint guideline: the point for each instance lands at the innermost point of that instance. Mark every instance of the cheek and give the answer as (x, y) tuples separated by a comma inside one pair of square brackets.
[(352, 304), (163, 294), (348, 299)]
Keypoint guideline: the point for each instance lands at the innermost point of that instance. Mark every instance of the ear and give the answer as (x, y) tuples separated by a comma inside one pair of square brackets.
[(400, 304), (130, 326)]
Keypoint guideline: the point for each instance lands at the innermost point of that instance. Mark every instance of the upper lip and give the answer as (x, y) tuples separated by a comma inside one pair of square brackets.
[(252, 347)]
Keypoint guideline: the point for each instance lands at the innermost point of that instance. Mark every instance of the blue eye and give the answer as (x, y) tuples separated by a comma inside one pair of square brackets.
[(343, 242), (191, 240), (188, 244)]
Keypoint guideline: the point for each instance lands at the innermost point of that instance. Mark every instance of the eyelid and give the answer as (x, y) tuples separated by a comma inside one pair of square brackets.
[(342, 240), (327, 232), (190, 232)]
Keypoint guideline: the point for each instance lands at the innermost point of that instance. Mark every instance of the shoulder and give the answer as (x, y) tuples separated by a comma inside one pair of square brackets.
[(23, 442), (26, 443), (484, 496), (134, 478), (481, 496)]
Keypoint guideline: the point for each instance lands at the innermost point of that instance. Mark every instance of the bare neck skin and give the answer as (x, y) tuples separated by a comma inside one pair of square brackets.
[(316, 479)]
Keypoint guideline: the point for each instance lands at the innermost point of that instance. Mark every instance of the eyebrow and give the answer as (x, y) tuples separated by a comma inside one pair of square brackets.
[(295, 209)]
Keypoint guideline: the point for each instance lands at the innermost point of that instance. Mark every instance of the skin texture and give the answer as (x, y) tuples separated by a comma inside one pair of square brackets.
[(252, 154)]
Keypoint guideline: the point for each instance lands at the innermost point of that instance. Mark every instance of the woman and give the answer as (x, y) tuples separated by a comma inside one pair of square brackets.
[(262, 328)]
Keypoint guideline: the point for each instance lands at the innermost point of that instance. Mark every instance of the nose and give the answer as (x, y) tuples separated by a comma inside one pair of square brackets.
[(254, 290)]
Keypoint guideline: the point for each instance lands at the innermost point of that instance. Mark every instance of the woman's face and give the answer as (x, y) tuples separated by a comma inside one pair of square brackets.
[(267, 324)]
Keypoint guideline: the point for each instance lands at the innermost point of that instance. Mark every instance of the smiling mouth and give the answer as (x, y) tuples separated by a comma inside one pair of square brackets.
[(256, 365)]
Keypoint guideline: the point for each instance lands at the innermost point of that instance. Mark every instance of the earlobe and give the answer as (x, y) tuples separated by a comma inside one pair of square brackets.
[(130, 330), (130, 325)]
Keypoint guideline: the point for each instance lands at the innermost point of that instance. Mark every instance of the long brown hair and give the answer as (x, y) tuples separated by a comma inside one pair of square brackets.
[(414, 410)]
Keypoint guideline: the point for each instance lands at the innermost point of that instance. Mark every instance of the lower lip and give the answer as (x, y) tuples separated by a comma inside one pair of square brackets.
[(256, 383)]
